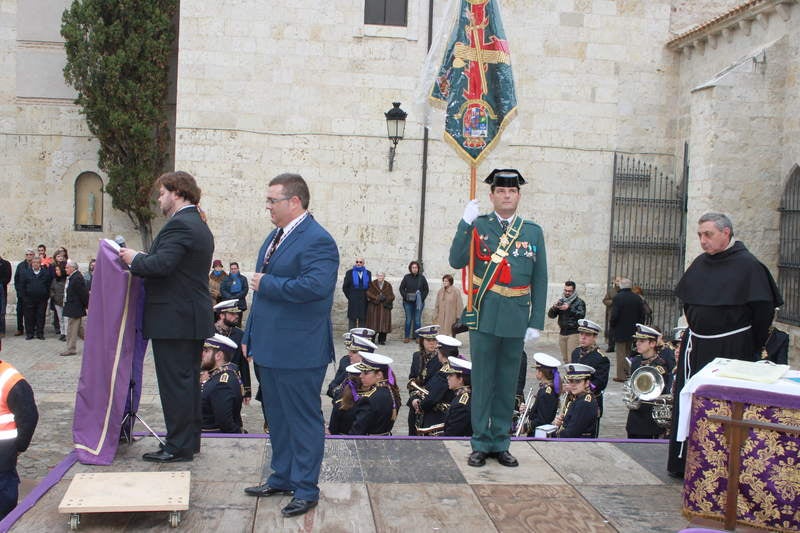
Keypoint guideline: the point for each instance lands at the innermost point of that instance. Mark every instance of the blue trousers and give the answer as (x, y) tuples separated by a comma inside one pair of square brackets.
[(293, 408), (9, 492), (412, 315)]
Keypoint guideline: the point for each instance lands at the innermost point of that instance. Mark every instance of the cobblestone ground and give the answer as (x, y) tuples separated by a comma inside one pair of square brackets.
[(54, 380)]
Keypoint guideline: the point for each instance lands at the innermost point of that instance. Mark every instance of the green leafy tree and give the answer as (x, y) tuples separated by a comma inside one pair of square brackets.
[(118, 61)]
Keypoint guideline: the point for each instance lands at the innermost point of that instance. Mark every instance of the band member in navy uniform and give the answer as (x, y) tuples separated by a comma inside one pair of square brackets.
[(434, 405), (545, 405), (222, 391), (457, 420), (345, 398), (640, 423), (589, 354), (377, 407), (229, 315), (353, 344), (582, 411), (424, 365)]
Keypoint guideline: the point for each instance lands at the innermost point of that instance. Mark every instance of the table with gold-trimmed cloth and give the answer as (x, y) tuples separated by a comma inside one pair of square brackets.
[(743, 457)]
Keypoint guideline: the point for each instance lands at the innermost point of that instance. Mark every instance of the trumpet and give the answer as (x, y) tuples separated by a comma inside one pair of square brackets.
[(522, 421), (431, 431), (416, 388)]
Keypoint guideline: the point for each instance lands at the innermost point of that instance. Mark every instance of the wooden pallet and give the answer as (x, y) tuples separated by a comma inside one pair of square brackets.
[(127, 492)]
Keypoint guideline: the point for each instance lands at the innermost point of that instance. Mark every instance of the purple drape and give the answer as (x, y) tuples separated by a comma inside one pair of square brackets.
[(113, 354)]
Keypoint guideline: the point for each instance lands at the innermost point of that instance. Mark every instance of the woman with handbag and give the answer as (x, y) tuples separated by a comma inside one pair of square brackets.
[(413, 291), (379, 306), (448, 305)]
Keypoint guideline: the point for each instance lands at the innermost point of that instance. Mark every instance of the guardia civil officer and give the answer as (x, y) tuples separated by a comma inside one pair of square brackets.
[(588, 353), (640, 423), (376, 409), (509, 307), (582, 411), (221, 393), (425, 364), (457, 420)]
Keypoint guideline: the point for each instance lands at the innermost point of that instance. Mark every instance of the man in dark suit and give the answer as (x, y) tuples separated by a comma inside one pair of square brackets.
[(177, 312), (289, 335), (76, 301), (355, 286), (627, 310)]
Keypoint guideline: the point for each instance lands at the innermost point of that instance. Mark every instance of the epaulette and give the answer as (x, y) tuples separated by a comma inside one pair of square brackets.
[(531, 222), (369, 392), (587, 398), (548, 390), (661, 370), (464, 400), (224, 377), (601, 353)]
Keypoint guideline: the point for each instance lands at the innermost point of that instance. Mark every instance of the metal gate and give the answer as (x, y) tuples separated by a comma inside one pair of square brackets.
[(648, 233)]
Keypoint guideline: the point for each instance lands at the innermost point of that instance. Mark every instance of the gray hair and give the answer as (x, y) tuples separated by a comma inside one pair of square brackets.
[(625, 283), (720, 220), (72, 263)]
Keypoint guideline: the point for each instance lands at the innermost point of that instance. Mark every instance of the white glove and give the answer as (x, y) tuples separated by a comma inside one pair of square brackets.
[(531, 334), (472, 211)]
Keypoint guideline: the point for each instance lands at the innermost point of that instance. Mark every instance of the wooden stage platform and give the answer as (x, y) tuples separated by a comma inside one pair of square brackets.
[(406, 485)]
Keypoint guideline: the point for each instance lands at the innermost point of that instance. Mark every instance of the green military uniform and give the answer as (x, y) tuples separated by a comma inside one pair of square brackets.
[(512, 304)]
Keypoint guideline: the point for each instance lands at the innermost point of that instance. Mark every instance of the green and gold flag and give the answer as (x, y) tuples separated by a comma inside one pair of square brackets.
[(475, 82)]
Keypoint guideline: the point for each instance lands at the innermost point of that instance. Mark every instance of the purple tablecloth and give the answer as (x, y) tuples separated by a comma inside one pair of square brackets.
[(769, 480)]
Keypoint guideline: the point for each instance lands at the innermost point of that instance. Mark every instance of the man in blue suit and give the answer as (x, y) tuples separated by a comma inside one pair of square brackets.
[(289, 334)]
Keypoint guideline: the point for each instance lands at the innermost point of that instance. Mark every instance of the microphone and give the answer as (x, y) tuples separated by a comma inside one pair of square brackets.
[(119, 239)]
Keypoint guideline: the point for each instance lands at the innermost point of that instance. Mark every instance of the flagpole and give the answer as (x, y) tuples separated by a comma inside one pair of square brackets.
[(472, 187)]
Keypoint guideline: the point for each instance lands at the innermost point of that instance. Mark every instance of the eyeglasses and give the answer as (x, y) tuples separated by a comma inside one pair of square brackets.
[(359, 262), (273, 201)]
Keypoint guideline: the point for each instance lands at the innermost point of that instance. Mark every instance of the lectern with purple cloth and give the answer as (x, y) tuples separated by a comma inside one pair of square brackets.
[(743, 450), (109, 386)]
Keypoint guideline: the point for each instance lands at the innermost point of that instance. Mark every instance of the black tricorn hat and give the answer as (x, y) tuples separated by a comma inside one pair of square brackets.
[(505, 177)]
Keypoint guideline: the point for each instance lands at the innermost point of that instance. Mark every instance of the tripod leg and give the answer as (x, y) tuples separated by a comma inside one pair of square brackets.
[(153, 433)]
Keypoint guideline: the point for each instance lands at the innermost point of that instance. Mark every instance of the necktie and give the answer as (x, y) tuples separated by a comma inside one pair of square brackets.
[(272, 248), (504, 223)]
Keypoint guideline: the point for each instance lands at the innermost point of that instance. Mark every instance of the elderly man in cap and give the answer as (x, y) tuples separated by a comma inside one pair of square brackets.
[(228, 315), (376, 409), (581, 410), (222, 391), (510, 284), (458, 419), (588, 353), (353, 344), (640, 423)]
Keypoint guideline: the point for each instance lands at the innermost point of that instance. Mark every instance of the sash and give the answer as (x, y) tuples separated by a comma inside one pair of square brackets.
[(498, 259)]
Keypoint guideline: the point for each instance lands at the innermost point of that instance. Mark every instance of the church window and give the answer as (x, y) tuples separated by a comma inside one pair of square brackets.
[(386, 12), (789, 252)]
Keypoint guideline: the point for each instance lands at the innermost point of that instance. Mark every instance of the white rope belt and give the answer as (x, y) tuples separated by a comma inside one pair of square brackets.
[(687, 368)]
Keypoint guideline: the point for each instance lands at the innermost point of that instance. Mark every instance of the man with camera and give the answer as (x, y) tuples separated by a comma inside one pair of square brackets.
[(568, 309)]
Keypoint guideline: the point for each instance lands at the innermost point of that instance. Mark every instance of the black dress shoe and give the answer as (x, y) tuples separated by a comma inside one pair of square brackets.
[(265, 491), (477, 458), (163, 456), (298, 507), (506, 459)]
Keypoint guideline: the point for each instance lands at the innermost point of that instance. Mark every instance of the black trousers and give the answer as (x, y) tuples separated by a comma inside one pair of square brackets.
[(34, 318), (177, 363), (20, 314)]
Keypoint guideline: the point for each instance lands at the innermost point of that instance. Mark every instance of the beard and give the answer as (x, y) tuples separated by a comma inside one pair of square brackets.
[(229, 323)]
